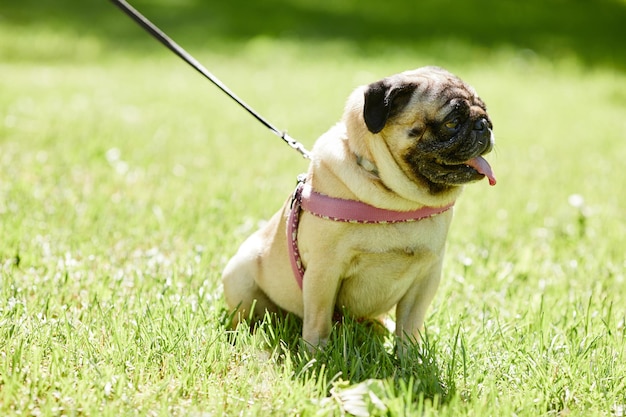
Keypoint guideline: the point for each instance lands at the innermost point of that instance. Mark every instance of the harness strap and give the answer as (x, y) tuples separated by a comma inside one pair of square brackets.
[(292, 234), (341, 210)]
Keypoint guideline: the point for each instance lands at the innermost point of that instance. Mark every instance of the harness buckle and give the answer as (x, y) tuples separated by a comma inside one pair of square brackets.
[(297, 194)]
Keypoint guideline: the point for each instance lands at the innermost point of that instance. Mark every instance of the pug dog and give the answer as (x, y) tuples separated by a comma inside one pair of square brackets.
[(405, 147)]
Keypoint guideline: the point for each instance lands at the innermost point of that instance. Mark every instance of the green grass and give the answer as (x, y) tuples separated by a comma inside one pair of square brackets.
[(127, 181)]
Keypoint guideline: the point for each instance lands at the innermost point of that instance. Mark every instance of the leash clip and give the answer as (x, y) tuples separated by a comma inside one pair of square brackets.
[(295, 145)]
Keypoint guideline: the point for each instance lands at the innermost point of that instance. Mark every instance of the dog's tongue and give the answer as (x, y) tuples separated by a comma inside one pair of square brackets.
[(482, 166)]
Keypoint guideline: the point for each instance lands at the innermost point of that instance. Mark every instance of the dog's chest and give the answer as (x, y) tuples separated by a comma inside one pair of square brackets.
[(375, 282), (386, 261)]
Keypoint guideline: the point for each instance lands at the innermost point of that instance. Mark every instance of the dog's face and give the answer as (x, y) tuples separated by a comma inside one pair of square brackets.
[(434, 124)]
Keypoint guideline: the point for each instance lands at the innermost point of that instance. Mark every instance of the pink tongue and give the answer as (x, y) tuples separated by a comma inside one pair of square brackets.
[(482, 166)]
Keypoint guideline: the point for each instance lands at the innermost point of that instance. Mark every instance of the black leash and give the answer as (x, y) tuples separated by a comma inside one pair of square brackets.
[(178, 50)]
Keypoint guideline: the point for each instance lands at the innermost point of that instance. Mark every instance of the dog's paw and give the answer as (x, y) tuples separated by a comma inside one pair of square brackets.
[(314, 348)]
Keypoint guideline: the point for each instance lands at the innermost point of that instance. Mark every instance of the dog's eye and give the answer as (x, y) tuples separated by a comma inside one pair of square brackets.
[(452, 124)]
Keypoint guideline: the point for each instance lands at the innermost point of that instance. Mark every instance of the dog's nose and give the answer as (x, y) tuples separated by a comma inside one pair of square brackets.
[(481, 124)]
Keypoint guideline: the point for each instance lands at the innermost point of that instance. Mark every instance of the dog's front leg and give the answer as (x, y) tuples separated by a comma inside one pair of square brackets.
[(319, 291), (411, 309)]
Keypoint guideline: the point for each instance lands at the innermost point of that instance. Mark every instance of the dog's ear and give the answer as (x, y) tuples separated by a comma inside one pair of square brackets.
[(384, 100)]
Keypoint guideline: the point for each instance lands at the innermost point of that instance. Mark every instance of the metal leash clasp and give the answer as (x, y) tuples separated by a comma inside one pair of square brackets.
[(295, 145)]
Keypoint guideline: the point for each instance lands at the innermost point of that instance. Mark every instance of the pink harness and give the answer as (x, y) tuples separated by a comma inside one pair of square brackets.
[(340, 210)]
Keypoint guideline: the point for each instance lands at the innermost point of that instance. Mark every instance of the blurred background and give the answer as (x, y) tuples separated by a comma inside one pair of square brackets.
[(591, 32)]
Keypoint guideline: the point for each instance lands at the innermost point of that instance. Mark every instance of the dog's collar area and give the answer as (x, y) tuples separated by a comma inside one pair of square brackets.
[(368, 166), (353, 211), (341, 210)]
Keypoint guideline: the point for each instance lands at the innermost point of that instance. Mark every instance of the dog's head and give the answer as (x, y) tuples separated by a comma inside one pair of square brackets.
[(434, 125)]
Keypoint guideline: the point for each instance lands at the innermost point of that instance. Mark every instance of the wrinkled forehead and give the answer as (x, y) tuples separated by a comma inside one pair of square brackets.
[(438, 91), (441, 86)]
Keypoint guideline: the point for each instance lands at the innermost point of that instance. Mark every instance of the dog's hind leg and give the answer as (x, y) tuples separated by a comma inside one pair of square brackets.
[(243, 296)]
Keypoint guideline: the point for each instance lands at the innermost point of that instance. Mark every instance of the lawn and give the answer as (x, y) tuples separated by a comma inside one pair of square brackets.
[(127, 181)]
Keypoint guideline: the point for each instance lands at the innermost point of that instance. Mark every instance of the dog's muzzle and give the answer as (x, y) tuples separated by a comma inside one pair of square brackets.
[(484, 135)]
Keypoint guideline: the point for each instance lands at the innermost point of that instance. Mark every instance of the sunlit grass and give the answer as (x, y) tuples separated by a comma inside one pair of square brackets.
[(127, 181)]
